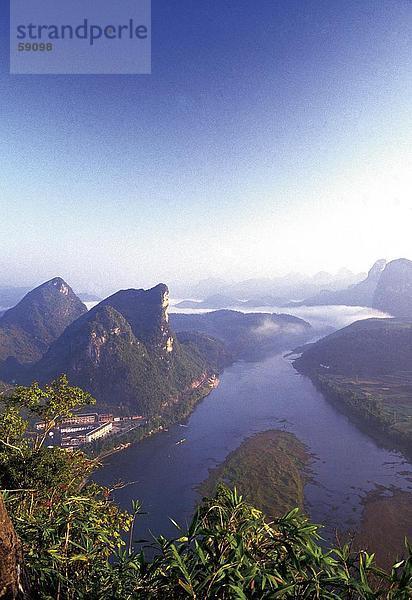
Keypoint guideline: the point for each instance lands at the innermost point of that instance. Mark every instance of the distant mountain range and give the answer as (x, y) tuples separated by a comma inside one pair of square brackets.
[(218, 301), (387, 287), (358, 294), (293, 286)]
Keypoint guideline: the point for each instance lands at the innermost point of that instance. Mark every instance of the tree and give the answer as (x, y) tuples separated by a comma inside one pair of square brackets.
[(69, 528), (25, 462)]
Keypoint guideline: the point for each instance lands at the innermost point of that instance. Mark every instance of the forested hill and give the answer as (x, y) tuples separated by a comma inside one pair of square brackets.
[(28, 329), (365, 348), (247, 335), (126, 354)]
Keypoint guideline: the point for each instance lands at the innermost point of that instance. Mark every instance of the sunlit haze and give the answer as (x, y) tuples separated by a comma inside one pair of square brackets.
[(270, 137)]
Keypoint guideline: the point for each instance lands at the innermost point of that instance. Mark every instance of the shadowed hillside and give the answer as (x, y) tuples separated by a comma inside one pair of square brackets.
[(29, 328), (366, 367)]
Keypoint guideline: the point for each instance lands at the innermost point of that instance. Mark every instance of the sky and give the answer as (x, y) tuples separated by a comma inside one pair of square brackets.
[(272, 136)]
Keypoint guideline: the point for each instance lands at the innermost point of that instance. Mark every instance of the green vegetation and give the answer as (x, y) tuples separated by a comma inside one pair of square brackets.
[(366, 368), (28, 329), (5, 388), (268, 469), (127, 369), (209, 349), (25, 461), (77, 545), (123, 351), (173, 414), (384, 404), (101, 353)]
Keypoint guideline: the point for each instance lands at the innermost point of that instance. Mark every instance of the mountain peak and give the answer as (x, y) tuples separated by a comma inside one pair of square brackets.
[(147, 313), (54, 290), (377, 268), (60, 285), (400, 263), (124, 352), (28, 329)]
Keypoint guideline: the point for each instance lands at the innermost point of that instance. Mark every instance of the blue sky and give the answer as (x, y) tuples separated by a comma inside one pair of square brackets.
[(271, 136)]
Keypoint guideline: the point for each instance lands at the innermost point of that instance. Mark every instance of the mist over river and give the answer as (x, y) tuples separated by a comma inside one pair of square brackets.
[(254, 397), (320, 317)]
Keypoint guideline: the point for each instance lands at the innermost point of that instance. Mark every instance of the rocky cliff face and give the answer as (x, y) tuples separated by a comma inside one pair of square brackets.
[(28, 329), (394, 291), (125, 353), (147, 313)]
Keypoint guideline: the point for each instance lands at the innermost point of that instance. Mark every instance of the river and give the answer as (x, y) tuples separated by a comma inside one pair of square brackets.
[(254, 397)]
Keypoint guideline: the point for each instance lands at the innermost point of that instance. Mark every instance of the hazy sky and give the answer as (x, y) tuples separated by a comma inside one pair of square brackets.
[(273, 135)]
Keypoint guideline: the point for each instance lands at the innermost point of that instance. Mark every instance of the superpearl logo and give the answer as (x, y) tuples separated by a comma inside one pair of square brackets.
[(80, 37)]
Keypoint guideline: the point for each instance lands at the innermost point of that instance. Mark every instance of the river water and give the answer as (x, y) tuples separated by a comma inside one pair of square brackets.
[(254, 397)]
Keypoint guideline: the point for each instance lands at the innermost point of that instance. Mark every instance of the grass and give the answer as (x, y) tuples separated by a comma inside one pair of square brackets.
[(269, 469), (386, 401)]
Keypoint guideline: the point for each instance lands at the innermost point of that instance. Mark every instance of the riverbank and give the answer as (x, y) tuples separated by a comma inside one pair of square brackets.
[(188, 401), (368, 408), (269, 469)]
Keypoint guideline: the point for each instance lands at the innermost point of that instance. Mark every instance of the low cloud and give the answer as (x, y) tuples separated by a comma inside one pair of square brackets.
[(266, 329)]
